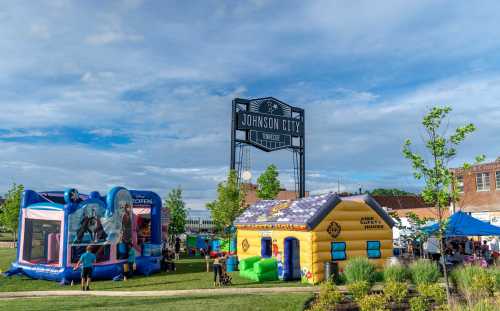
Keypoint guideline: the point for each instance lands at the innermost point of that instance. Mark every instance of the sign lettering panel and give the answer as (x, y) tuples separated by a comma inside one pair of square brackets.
[(269, 124)]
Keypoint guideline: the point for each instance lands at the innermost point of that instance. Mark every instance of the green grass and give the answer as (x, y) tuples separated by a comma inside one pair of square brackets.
[(236, 302), (189, 275), (5, 237)]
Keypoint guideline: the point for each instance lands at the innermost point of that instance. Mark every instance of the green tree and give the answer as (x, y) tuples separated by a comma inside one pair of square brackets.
[(389, 192), (9, 210), (268, 183), (230, 202), (440, 149), (177, 210)]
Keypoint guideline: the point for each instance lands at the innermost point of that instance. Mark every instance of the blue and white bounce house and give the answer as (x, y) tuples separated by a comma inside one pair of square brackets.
[(56, 227)]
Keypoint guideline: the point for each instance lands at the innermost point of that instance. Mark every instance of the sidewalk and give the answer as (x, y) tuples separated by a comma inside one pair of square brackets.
[(165, 293)]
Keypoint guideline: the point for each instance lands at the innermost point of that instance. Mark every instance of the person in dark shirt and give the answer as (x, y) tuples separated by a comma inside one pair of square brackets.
[(177, 248)]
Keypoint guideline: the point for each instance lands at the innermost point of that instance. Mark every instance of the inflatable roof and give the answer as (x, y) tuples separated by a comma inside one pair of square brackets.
[(308, 211)]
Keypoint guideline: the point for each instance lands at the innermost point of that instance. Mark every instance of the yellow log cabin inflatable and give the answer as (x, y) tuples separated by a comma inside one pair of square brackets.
[(304, 234)]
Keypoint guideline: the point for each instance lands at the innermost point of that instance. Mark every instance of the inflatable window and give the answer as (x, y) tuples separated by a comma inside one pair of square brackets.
[(338, 251), (373, 249)]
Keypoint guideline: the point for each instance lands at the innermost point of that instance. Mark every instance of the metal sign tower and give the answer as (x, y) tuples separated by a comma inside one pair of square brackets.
[(269, 125)]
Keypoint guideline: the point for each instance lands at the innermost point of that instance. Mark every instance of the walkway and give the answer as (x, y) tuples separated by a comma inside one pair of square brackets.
[(162, 293)]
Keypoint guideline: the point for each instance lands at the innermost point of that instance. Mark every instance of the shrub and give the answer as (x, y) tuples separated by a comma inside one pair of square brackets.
[(359, 269), (317, 306), (340, 280), (444, 307), (474, 283), (329, 294), (359, 289), (485, 305), (496, 275), (433, 291), (419, 303), (378, 276), (395, 273), (372, 303), (395, 291), (482, 305), (424, 272)]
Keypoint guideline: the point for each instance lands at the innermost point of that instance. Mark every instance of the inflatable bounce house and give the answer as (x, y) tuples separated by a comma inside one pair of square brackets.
[(56, 227), (292, 240)]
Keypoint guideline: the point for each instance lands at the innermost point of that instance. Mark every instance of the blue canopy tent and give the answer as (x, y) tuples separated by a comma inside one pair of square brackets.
[(462, 224)]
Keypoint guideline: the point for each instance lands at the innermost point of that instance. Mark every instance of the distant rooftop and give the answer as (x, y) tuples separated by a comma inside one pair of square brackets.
[(480, 166), (198, 213), (395, 202)]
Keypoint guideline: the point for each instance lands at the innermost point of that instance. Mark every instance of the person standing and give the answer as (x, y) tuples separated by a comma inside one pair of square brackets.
[(207, 255), (86, 261), (494, 246), (433, 248), (217, 266), (177, 248), (130, 262), (469, 245)]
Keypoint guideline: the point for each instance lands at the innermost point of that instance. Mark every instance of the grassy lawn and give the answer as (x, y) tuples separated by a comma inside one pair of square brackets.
[(189, 275), (240, 303), (5, 237)]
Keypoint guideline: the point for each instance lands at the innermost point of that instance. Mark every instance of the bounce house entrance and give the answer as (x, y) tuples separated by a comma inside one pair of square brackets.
[(42, 241), (292, 259)]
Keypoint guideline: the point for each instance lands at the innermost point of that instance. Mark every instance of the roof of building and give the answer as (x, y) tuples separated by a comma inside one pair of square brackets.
[(308, 212), (478, 167), (427, 212), (397, 202)]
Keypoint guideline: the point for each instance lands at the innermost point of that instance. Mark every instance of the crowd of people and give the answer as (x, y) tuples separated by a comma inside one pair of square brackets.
[(459, 250)]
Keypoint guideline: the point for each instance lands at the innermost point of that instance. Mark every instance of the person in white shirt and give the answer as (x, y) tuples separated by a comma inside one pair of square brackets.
[(433, 248), (424, 247), (494, 247)]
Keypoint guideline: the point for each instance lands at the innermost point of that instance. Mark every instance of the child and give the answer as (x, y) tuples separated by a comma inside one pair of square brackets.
[(87, 261), (130, 262), (177, 248), (217, 270)]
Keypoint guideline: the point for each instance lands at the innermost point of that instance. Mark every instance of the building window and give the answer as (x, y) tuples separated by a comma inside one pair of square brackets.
[(483, 181), (460, 184), (373, 249), (498, 180), (266, 247), (338, 251)]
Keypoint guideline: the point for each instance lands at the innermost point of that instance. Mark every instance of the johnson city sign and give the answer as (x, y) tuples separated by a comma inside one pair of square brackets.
[(270, 124)]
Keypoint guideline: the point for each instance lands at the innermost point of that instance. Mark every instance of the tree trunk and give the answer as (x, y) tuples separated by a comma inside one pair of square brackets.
[(445, 269)]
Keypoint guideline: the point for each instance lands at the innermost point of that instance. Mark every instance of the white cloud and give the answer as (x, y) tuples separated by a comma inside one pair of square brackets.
[(21, 134), (102, 132), (112, 37), (40, 31), (164, 75)]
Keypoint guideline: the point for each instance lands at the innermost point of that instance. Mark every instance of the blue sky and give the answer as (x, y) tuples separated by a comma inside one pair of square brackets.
[(137, 93)]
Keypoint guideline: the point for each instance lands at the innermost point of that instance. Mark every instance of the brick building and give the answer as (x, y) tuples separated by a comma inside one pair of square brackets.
[(404, 204), (479, 189)]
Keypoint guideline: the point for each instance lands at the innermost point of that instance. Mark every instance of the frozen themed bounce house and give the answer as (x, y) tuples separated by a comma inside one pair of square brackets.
[(56, 227)]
